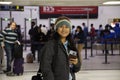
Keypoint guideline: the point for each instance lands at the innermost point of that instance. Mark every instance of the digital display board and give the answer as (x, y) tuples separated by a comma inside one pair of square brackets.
[(12, 8)]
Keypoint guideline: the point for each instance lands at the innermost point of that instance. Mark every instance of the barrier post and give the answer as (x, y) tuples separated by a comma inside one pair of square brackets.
[(106, 53), (91, 47), (85, 49)]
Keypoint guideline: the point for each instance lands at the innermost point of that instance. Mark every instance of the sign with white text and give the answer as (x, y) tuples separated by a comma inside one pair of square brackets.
[(79, 12)]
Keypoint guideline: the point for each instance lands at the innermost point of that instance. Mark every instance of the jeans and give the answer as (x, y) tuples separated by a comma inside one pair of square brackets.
[(9, 49)]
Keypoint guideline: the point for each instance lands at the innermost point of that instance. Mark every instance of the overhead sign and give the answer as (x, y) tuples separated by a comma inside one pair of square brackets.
[(12, 8), (69, 11)]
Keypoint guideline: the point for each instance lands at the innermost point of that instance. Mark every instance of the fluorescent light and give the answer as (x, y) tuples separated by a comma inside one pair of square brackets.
[(6, 3), (112, 2)]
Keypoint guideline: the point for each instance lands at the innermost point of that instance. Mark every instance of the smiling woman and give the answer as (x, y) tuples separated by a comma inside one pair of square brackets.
[(55, 62), (63, 27)]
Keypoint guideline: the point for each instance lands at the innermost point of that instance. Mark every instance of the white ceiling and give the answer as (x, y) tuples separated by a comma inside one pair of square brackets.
[(59, 2)]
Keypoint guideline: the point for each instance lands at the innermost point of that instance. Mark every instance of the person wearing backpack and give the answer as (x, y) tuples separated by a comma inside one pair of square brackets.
[(65, 62)]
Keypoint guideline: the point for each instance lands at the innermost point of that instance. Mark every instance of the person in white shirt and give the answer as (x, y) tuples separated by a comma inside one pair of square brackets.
[(44, 29)]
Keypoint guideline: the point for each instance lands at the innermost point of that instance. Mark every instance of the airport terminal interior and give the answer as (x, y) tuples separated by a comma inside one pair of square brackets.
[(100, 55)]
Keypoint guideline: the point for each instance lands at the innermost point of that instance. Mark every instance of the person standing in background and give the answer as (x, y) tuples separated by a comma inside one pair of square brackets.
[(40, 40), (79, 39), (73, 31), (18, 31), (92, 32), (50, 32), (85, 30), (44, 29), (104, 35), (10, 37), (33, 32), (117, 30), (99, 31)]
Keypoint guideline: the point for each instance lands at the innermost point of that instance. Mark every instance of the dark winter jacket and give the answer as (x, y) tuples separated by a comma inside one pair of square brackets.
[(55, 66)]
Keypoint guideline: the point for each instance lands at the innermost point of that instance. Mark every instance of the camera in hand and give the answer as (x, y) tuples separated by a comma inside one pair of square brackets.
[(72, 54)]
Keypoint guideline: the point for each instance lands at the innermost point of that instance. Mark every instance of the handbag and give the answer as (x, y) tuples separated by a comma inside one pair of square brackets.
[(38, 76)]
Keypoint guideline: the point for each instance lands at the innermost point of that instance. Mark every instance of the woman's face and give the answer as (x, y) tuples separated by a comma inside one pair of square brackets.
[(63, 31), (13, 26), (78, 30)]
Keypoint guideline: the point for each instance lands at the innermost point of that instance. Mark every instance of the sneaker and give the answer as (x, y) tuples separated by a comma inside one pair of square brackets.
[(19, 74), (1, 72), (5, 71), (10, 74)]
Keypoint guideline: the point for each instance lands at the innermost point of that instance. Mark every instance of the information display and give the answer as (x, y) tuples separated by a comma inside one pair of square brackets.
[(12, 8)]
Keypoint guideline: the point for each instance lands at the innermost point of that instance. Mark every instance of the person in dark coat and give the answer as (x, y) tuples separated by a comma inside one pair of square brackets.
[(40, 39), (33, 32), (59, 65), (104, 34), (50, 32)]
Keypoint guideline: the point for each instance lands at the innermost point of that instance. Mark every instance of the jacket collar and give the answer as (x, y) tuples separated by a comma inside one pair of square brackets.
[(63, 47)]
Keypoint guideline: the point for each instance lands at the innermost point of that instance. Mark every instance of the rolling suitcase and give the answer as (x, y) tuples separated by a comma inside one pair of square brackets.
[(18, 62), (18, 67)]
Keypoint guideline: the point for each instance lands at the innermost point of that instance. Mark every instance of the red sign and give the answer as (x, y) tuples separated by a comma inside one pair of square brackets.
[(67, 10)]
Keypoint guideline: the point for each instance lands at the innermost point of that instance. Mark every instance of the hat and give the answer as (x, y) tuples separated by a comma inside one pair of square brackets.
[(62, 21)]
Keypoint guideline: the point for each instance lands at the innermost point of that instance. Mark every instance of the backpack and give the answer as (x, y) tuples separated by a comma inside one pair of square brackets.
[(29, 58), (18, 51)]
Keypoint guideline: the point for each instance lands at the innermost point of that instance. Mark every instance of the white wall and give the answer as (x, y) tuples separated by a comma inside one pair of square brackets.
[(105, 13), (19, 17)]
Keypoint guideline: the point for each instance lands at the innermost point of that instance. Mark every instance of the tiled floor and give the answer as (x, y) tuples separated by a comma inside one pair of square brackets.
[(82, 75), (92, 67), (91, 63)]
